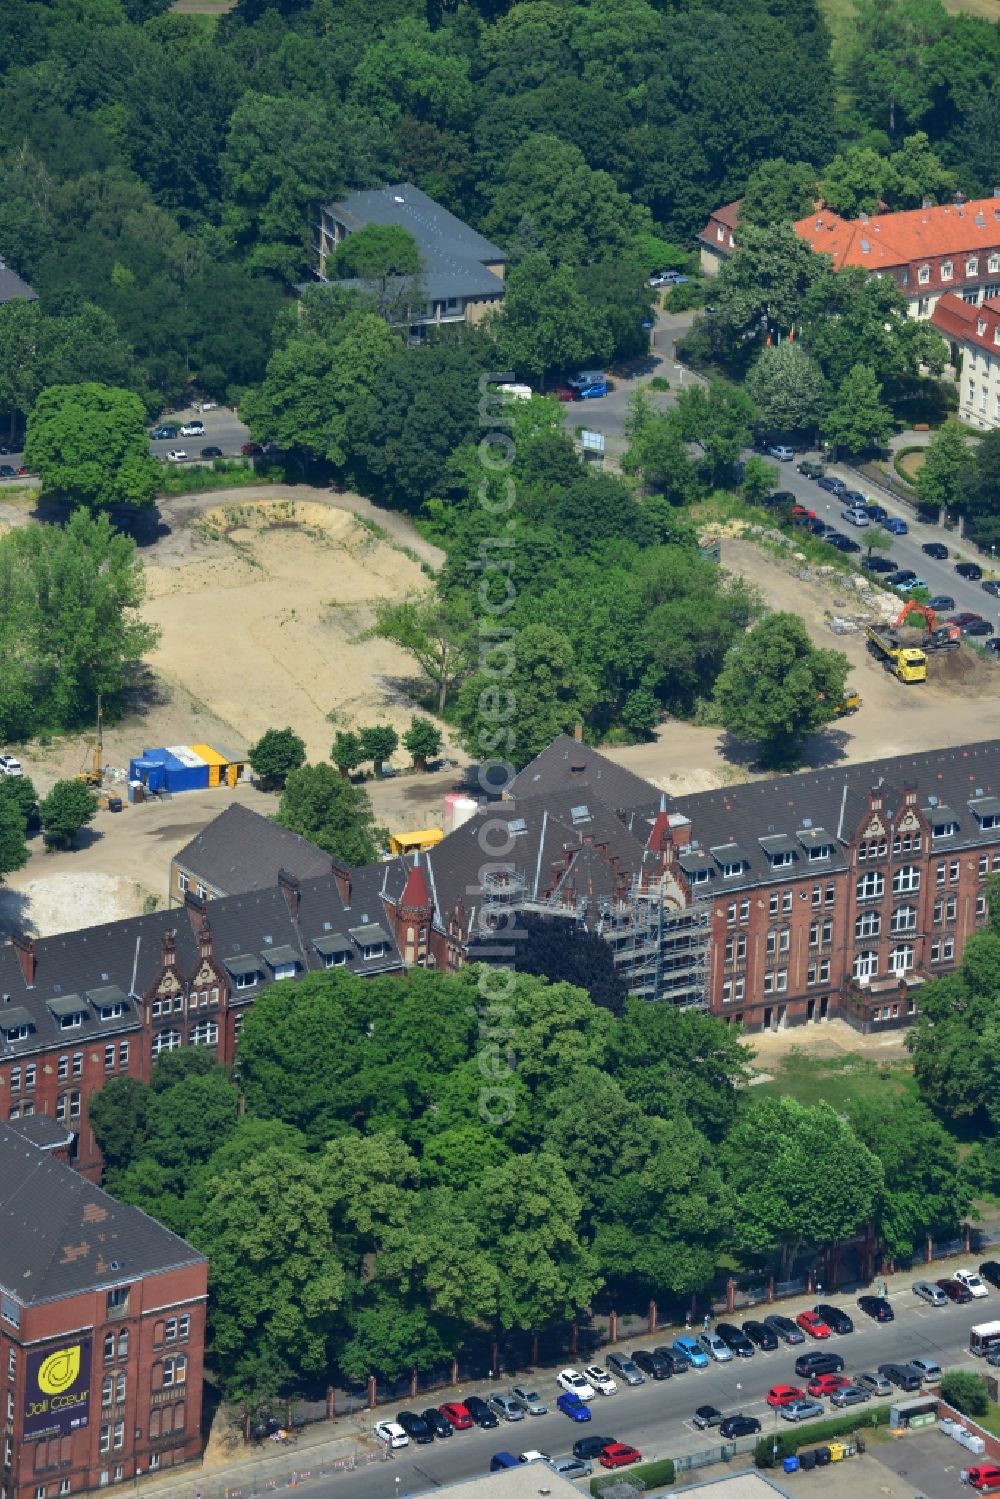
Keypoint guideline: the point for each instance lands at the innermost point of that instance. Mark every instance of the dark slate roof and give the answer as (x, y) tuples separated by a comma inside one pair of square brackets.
[(60, 1235), (566, 763), (454, 255), (560, 842), (127, 955), (835, 803), (13, 288), (239, 851), (42, 1130)]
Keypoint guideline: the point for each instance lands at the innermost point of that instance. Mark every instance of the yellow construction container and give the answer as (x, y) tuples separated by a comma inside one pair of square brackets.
[(217, 764), (838, 1451), (410, 843)]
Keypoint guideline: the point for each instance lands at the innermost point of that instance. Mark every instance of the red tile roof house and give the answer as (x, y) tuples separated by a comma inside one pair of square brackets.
[(928, 251), (974, 334)]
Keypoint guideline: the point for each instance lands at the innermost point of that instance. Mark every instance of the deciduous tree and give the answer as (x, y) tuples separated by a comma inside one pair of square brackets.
[(276, 754), (858, 420), (379, 743), (437, 633), (949, 462), (69, 806), (88, 442), (423, 741), (788, 389), (776, 687), (322, 806)]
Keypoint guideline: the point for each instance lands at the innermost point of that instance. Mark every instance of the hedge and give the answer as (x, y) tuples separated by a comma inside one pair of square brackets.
[(655, 1475), (816, 1434)]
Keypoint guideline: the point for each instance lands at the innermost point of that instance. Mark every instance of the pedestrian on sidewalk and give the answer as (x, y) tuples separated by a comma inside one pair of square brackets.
[(687, 1322), (708, 1321)]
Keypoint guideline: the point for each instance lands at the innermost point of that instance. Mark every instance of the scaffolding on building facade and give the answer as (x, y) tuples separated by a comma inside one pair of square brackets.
[(660, 950)]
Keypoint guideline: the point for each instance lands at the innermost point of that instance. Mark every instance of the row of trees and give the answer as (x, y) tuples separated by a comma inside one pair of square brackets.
[(69, 806), (392, 1189)]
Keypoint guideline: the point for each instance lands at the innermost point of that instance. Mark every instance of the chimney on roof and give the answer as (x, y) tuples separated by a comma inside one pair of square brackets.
[(996, 192), (168, 950), (205, 940), (864, 218), (342, 875), (577, 767), (194, 905), (24, 946), (909, 793), (927, 202), (291, 890), (578, 732)]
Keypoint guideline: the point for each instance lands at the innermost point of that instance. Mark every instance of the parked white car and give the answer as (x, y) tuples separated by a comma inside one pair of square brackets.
[(971, 1281), (10, 766), (176, 455), (193, 429), (573, 1382), (600, 1379), (391, 1433)]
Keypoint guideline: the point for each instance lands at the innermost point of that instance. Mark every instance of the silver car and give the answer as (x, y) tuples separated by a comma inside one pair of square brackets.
[(625, 1368), (802, 1410), (505, 1407), (929, 1292), (876, 1384), (571, 1467), (529, 1400), (930, 1372), (849, 1394), (712, 1344)]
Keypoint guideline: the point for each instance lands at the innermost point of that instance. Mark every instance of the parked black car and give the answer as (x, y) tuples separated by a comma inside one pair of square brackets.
[(990, 1270), (705, 1416), (676, 1362), (935, 549), (758, 1332), (901, 575), (970, 570), (417, 1429), (977, 627), (835, 1317), (877, 1308), (815, 1363), (739, 1426), (833, 486), (786, 1329), (878, 565), (903, 1376), (843, 543), (439, 1425), (652, 1364), (480, 1411), (876, 512), (591, 1447), (735, 1339)]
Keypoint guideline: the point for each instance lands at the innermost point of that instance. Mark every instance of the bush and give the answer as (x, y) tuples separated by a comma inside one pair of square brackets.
[(655, 1475), (967, 1392), (795, 1437)]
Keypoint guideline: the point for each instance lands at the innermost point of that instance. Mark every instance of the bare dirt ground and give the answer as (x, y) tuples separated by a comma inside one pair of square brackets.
[(959, 704)]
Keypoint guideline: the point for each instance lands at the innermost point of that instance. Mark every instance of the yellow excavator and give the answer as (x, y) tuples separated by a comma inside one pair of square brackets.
[(93, 770)]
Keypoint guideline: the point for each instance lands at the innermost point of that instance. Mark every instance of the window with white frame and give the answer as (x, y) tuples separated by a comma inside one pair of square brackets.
[(947, 270), (954, 870), (733, 990), (903, 919), (786, 901), (944, 829), (744, 910), (119, 1436), (78, 1064), (901, 959), (63, 1069), (29, 1075), (123, 1053), (818, 973), (205, 1033), (773, 903), (106, 1438), (951, 908), (984, 865), (981, 905), (731, 913), (871, 885), (923, 274), (109, 1058), (771, 943), (972, 266), (994, 263), (817, 895), (866, 965), (75, 1103), (868, 924), (165, 1041), (905, 879)]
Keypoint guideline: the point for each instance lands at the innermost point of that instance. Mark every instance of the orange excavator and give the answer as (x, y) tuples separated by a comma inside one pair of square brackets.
[(940, 637)]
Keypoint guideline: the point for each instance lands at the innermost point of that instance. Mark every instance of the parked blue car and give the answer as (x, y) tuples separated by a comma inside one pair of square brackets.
[(688, 1348), (574, 1407), (896, 526), (592, 392)]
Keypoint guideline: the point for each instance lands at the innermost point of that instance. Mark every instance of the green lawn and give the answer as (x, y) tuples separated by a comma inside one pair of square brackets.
[(991, 1421), (835, 1080)]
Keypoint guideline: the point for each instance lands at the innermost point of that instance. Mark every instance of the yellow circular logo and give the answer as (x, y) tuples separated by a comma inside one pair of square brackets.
[(59, 1370)]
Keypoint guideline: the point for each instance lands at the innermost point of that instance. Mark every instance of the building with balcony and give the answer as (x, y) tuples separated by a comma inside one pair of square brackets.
[(462, 275), (102, 1332)]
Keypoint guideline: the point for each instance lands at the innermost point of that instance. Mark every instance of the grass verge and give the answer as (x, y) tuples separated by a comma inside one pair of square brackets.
[(837, 1081)]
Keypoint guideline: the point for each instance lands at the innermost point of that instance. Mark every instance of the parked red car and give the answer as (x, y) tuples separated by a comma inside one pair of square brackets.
[(783, 1394), (813, 1325), (619, 1455), (826, 1384), (563, 393), (985, 1477), (457, 1415)]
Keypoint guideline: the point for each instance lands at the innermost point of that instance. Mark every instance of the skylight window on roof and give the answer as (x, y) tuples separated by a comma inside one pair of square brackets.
[(517, 826), (580, 814)]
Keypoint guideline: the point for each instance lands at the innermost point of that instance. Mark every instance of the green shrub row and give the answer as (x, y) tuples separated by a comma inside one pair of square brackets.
[(655, 1475), (793, 1437)]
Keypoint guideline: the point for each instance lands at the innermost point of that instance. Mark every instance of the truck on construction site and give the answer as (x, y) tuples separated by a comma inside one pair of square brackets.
[(907, 662)]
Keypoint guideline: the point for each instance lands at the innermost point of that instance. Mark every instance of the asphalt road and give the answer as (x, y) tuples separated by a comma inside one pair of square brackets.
[(656, 1418), (222, 430)]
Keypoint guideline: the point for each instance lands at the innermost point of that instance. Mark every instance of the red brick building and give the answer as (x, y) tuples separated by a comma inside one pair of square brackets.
[(102, 1332)]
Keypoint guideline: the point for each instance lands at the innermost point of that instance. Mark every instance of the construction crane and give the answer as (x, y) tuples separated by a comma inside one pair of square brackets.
[(93, 773), (940, 637)]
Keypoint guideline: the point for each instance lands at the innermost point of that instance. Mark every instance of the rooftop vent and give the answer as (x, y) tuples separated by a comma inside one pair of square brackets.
[(116, 1264), (932, 801), (807, 822)]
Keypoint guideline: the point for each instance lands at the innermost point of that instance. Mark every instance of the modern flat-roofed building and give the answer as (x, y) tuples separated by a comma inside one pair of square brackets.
[(102, 1332)]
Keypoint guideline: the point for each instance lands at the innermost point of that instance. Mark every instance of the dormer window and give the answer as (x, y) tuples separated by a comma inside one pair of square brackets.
[(972, 266), (819, 852), (986, 810), (943, 821), (243, 969), (980, 326), (720, 233), (700, 876), (371, 941), (924, 274), (947, 270), (69, 1010), (282, 961), (946, 829), (994, 263)]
